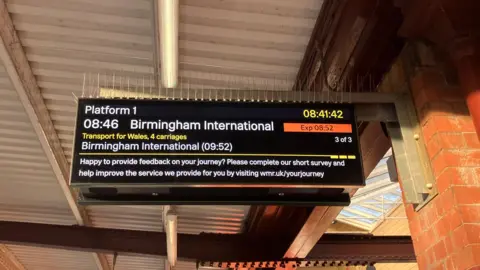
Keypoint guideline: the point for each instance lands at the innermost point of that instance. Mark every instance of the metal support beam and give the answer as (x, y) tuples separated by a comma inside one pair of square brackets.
[(21, 75), (376, 112), (203, 247), (366, 247), (410, 154), (128, 242)]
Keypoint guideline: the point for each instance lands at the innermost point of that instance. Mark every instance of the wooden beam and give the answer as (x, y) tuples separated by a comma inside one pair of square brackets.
[(203, 247), (24, 82), (322, 35), (374, 144), (354, 36), (8, 260), (276, 219), (377, 48), (353, 43)]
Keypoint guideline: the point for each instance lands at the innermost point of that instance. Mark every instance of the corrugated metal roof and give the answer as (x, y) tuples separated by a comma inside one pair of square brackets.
[(227, 44), (138, 262), (8, 261), (249, 39), (27, 182), (65, 39), (29, 191), (211, 219), (47, 259), (191, 219), (223, 44), (184, 265), (143, 218)]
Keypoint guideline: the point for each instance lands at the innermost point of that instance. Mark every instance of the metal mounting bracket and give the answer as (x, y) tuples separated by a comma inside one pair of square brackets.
[(410, 154)]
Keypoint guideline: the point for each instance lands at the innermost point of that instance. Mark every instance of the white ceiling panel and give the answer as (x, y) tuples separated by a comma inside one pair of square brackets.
[(52, 259), (29, 191), (211, 219), (138, 262)]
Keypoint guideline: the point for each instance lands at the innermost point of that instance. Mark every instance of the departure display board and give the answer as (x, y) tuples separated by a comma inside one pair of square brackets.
[(215, 144)]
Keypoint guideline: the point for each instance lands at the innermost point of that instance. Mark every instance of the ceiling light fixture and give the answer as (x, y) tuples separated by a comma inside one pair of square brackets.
[(171, 230), (167, 15)]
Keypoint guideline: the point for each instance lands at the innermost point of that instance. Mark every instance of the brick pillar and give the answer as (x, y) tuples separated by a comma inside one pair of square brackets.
[(446, 232), (467, 61)]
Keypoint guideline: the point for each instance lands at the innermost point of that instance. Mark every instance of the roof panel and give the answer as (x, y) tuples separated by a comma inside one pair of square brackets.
[(223, 44), (47, 259), (29, 191), (27, 184), (209, 28), (65, 39), (137, 262), (211, 219), (282, 8), (185, 265), (145, 218)]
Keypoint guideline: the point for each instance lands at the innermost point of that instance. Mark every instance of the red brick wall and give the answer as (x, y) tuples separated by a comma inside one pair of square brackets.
[(446, 232)]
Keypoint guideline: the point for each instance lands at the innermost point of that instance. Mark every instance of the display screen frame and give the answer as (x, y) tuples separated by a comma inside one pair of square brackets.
[(309, 116)]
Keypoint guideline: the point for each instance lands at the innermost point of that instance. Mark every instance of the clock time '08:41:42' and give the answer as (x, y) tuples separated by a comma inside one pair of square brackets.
[(335, 114)]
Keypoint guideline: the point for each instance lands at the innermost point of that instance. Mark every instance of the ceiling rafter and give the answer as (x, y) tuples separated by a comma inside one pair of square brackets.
[(373, 15), (8, 259), (374, 145), (24, 82)]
